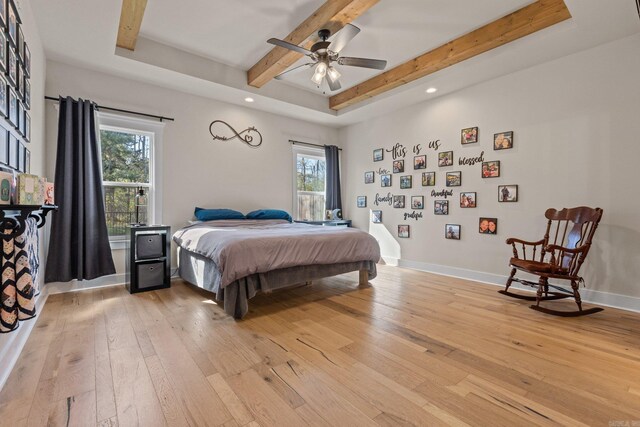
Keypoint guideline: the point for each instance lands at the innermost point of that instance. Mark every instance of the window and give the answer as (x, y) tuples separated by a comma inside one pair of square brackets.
[(309, 189), (129, 155)]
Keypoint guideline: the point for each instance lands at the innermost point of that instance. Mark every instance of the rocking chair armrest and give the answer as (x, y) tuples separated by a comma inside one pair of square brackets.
[(513, 240), (553, 248)]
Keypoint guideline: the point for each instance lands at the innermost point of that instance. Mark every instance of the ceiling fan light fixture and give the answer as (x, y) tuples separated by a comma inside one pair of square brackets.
[(317, 78), (333, 74)]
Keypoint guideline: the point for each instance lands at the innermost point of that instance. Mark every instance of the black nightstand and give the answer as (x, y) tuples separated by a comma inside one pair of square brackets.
[(335, 223), (148, 263)]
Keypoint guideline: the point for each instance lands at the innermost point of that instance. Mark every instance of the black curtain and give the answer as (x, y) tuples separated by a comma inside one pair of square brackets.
[(79, 244), (334, 198)]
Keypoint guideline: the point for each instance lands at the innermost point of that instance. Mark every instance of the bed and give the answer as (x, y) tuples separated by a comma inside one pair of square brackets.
[(236, 259)]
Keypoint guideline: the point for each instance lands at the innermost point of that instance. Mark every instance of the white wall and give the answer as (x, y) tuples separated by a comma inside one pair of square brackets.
[(196, 169), (576, 124)]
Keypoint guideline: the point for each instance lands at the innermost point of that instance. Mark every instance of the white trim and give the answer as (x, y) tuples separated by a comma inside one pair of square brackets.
[(607, 299), (80, 285), (317, 153)]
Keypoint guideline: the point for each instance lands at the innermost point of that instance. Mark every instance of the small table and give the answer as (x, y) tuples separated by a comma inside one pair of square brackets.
[(334, 223)]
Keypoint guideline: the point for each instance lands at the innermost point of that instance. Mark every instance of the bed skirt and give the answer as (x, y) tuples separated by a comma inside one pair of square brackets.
[(203, 272)]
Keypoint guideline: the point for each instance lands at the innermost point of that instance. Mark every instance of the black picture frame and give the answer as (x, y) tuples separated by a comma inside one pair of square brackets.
[(12, 67), (452, 231), (4, 97), (491, 169), (385, 180), (27, 93), (13, 20), (12, 107), (20, 45), (488, 225), (27, 160), (417, 202), (361, 201), (27, 60), (378, 155), (508, 193), (4, 145), (369, 177), (420, 162), (404, 231), (469, 135), (27, 127), (445, 158), (399, 201), (468, 199), (20, 127), (3, 16), (21, 157), (503, 140), (454, 179), (398, 166), (376, 217), (20, 82), (406, 181), (3, 51), (13, 151), (428, 179), (441, 207)]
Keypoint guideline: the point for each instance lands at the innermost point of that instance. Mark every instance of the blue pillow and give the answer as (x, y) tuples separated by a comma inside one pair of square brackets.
[(269, 214), (214, 214)]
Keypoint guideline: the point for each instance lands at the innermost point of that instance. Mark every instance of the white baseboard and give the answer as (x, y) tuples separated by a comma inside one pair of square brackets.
[(12, 343), (79, 285), (608, 299)]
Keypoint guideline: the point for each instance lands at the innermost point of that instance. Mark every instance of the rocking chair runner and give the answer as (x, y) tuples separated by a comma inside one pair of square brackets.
[(574, 228)]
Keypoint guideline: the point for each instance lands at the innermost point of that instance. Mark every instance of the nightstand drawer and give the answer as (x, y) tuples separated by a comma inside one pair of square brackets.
[(150, 274), (150, 246)]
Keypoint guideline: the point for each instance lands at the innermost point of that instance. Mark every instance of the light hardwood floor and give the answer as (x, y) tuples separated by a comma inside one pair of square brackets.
[(412, 349)]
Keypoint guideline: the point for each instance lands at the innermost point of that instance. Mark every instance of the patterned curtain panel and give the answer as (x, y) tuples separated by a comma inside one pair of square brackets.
[(17, 291)]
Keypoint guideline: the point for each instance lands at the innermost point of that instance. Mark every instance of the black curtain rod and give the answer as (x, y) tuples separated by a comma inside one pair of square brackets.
[(308, 143), (101, 107)]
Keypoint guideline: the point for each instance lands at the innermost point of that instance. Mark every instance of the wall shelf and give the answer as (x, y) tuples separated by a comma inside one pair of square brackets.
[(13, 218)]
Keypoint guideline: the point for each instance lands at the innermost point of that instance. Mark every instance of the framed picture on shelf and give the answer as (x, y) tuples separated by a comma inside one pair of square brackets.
[(454, 179), (507, 193), (13, 107), (361, 201), (491, 169), (417, 202), (376, 217), (3, 51), (13, 151), (503, 140), (4, 107), (20, 48), (12, 67), (441, 207), (27, 93), (452, 231), (403, 231), (385, 180), (488, 225), (445, 158), (12, 22), (398, 166), (4, 145), (398, 202), (420, 162), (405, 181), (369, 177), (27, 60), (428, 179), (468, 200), (378, 155), (469, 135)]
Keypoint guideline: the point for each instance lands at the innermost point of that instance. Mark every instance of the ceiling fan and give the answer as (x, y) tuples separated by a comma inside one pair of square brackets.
[(324, 53)]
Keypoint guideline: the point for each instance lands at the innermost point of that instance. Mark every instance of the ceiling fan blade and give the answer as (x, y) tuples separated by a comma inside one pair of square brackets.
[(333, 84), (343, 37), (293, 70), (289, 46), (376, 64)]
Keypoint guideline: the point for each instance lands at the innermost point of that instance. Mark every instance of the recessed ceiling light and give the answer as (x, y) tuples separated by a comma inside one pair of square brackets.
[(248, 99), (431, 90)]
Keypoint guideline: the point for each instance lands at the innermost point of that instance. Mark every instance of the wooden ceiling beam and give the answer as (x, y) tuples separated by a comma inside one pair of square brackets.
[(332, 15), (130, 21), (525, 21)]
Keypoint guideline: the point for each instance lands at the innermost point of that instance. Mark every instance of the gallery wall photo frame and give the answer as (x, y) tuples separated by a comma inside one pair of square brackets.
[(4, 106), (404, 231), (361, 201), (417, 202), (398, 166), (469, 135), (12, 67), (13, 107), (507, 193), (27, 159), (369, 177), (385, 180), (406, 181), (3, 51), (398, 201), (420, 162), (445, 158), (27, 127), (441, 207), (27, 60), (27, 94), (454, 179), (3, 15), (491, 169), (428, 179), (452, 231), (4, 145), (13, 151), (21, 157), (468, 199), (13, 20), (376, 217), (488, 225), (503, 140), (20, 44), (378, 155)]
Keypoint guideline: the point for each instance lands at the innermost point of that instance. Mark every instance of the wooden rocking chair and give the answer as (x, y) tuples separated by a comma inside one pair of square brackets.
[(571, 227)]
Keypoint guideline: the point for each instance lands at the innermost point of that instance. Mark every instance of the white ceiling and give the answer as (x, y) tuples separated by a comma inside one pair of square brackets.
[(204, 47)]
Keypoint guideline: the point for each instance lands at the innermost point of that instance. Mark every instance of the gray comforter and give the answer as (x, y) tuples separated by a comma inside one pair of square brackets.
[(240, 248)]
